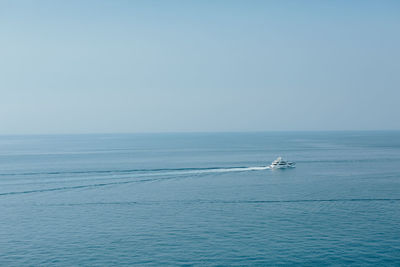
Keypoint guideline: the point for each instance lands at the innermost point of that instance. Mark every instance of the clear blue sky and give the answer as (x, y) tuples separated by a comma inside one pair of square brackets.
[(162, 66)]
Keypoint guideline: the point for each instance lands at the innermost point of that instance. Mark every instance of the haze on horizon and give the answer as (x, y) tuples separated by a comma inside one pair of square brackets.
[(171, 66)]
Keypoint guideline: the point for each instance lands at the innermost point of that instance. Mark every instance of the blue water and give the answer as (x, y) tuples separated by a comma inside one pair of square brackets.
[(183, 199)]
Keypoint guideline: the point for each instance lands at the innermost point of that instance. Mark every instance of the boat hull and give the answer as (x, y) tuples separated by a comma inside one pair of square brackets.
[(287, 166)]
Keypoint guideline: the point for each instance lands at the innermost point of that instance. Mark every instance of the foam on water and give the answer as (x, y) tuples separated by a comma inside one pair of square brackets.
[(218, 170), (127, 178), (209, 169)]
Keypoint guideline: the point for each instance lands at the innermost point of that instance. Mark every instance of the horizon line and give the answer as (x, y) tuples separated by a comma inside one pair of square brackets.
[(198, 132)]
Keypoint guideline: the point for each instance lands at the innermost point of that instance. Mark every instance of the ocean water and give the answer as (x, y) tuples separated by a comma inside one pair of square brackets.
[(200, 199)]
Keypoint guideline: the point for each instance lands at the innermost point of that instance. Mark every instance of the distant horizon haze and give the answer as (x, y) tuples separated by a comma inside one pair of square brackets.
[(87, 67), (207, 132)]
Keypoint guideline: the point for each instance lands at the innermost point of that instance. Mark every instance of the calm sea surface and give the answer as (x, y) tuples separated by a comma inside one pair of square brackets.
[(198, 199)]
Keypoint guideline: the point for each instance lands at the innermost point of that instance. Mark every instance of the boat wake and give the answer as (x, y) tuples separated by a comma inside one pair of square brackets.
[(202, 201), (112, 178), (220, 170), (132, 171)]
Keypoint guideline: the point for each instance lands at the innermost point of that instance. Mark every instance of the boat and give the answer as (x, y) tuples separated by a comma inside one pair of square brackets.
[(279, 163)]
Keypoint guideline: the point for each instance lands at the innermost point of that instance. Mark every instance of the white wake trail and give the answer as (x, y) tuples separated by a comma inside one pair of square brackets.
[(220, 170)]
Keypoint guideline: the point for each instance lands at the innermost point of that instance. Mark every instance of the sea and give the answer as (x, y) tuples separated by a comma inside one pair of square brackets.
[(200, 199)]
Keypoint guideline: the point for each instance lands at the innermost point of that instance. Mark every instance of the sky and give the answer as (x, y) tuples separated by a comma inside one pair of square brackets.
[(121, 66)]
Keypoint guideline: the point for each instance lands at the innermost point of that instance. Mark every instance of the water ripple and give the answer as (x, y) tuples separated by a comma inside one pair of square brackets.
[(227, 201)]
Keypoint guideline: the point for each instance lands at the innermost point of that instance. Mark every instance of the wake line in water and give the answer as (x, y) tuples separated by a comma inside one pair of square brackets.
[(234, 169), (209, 169), (229, 202), (182, 172), (71, 187)]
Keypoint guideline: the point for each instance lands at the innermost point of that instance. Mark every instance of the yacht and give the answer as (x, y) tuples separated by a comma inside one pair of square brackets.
[(279, 163)]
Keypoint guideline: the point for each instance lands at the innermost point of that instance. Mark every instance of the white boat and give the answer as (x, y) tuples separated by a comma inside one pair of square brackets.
[(279, 163)]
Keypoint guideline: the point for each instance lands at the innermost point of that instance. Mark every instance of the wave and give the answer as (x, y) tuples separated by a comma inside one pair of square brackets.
[(206, 169), (232, 169), (203, 170), (199, 201), (42, 190), (158, 172)]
